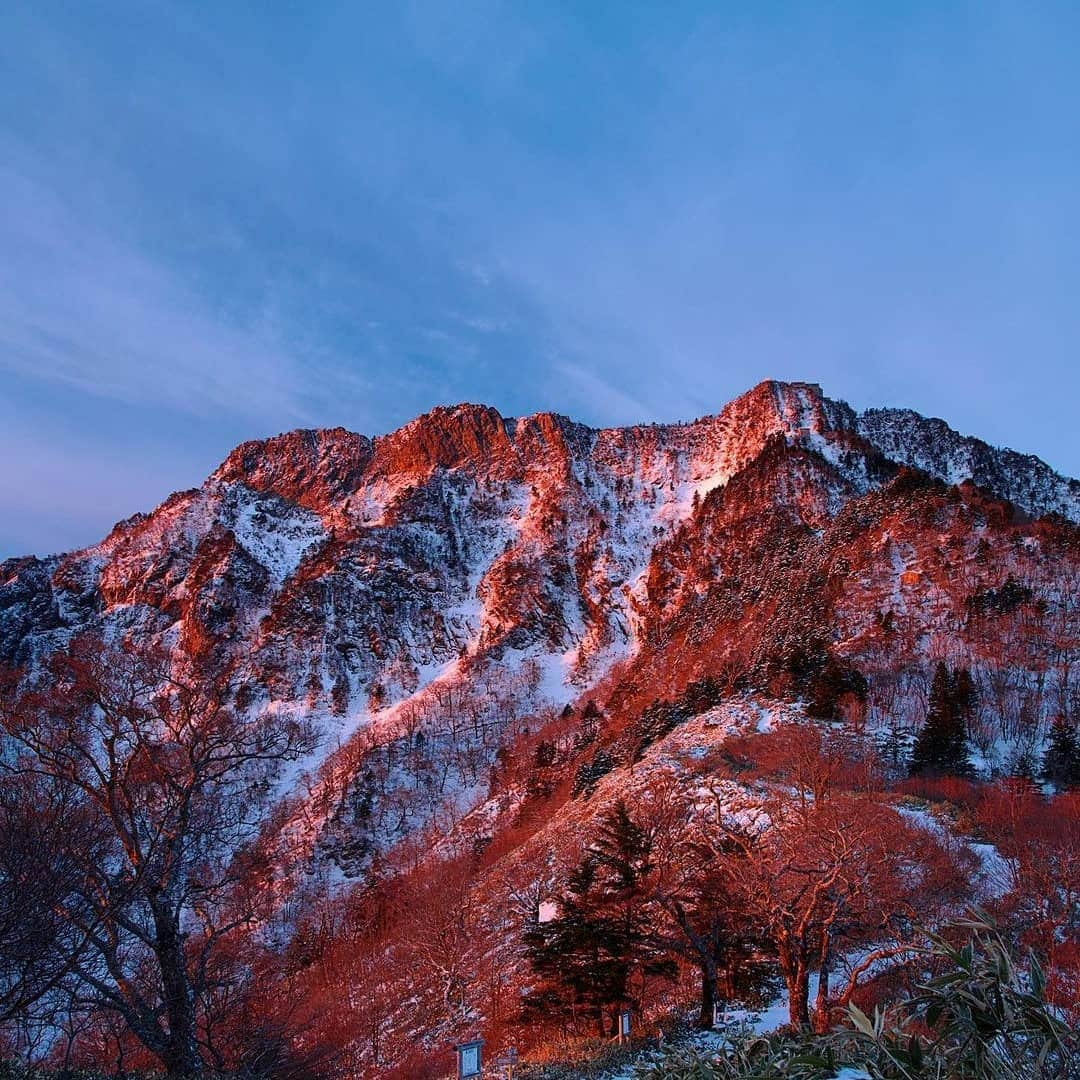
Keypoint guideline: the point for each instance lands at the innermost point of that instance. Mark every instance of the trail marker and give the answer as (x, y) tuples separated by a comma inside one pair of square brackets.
[(719, 1014), (507, 1063)]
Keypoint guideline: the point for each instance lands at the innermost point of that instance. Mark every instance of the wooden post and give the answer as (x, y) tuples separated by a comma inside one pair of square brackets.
[(507, 1063)]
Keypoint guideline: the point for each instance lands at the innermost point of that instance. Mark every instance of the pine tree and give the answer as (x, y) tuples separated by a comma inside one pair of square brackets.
[(587, 958), (1023, 767), (624, 851), (589, 773), (835, 680), (941, 745), (590, 725), (545, 754), (1061, 762), (893, 740)]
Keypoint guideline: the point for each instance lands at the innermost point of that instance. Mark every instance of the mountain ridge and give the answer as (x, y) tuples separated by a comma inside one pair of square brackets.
[(338, 488), (487, 619), (449, 435), (482, 428), (356, 580)]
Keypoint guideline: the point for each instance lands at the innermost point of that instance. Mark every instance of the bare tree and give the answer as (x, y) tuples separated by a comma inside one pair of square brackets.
[(698, 919), (825, 876), (172, 781), (39, 879)]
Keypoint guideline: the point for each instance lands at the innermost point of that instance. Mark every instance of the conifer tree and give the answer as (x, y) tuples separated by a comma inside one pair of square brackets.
[(1023, 767), (835, 680), (588, 958), (1061, 762), (941, 745)]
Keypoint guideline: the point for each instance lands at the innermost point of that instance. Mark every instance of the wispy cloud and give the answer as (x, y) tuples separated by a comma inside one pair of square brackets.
[(600, 394), (214, 227), (83, 306)]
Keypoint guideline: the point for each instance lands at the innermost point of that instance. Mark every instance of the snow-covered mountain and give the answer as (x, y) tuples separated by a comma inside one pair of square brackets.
[(931, 445), (469, 570), (503, 627)]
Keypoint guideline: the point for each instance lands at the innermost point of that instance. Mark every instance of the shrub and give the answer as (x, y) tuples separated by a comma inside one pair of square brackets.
[(982, 1018)]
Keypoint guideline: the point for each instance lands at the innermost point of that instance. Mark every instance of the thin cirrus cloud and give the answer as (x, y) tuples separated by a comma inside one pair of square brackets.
[(219, 223), (81, 307)]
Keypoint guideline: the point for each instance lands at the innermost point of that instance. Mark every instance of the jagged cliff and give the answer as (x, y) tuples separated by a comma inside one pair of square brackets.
[(520, 563)]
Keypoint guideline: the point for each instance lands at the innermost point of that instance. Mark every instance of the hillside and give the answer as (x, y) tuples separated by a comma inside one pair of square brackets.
[(500, 628)]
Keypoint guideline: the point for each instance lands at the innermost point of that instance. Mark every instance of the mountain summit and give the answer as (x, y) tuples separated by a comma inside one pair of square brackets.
[(346, 573), (486, 619)]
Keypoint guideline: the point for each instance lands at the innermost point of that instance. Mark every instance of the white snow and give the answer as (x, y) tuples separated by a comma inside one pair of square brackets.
[(279, 549)]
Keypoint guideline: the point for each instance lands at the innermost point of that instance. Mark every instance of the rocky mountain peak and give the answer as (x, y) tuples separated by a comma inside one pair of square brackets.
[(790, 407), (313, 468), (447, 437)]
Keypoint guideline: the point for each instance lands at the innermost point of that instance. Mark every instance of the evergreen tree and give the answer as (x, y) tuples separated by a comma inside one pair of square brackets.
[(1061, 762), (941, 745), (963, 692), (589, 773), (1023, 767), (893, 740), (590, 725), (701, 695), (590, 956), (835, 680), (545, 754), (659, 718)]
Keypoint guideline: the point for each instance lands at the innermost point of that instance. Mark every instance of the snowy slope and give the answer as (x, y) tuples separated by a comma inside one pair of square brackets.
[(470, 565)]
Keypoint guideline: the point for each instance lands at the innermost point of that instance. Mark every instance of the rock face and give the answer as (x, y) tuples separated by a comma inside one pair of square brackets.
[(517, 563), (931, 445), (310, 468)]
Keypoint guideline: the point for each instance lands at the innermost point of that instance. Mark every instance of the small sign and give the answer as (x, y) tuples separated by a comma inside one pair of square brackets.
[(507, 1062), (469, 1059), (624, 1025), (548, 911)]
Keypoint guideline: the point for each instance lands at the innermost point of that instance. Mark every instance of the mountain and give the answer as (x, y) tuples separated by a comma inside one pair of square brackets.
[(500, 627), (524, 563)]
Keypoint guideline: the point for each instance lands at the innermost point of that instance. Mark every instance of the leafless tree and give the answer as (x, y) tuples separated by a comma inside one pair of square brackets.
[(824, 876), (171, 780), (39, 878)]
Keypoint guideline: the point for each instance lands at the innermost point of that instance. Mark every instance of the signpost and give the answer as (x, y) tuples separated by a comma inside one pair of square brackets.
[(507, 1063), (624, 1026), (469, 1059)]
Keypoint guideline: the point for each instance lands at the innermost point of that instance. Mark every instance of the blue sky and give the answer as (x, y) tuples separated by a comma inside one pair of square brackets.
[(220, 221)]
